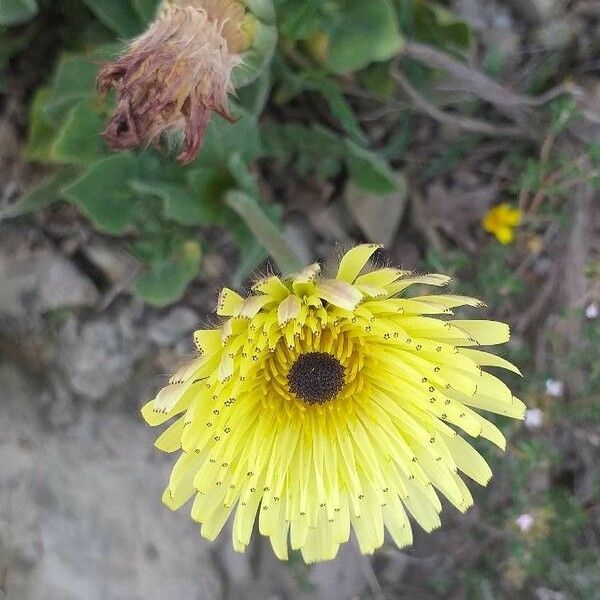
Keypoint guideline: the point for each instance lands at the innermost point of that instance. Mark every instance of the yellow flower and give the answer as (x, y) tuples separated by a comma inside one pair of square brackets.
[(501, 221), (325, 404)]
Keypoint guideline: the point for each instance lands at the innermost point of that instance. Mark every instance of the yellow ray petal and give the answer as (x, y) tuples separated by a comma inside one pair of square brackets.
[(170, 439), (353, 262), (338, 293), (468, 460), (271, 286), (485, 333), (485, 359), (289, 310), (228, 303), (381, 277)]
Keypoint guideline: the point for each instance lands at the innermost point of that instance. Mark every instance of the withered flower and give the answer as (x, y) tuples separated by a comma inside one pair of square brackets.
[(175, 74)]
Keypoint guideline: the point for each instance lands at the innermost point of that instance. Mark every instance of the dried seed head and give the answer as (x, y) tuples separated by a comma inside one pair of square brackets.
[(175, 74)]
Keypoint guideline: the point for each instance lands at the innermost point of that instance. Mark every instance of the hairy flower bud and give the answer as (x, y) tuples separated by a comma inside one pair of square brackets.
[(175, 74)]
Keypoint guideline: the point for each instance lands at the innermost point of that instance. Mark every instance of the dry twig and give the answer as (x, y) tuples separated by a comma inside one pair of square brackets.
[(466, 123)]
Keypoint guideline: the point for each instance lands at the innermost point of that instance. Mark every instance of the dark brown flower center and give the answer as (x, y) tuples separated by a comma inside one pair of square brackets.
[(316, 377)]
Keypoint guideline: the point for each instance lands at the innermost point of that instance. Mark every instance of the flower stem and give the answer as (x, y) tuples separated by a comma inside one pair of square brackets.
[(265, 231)]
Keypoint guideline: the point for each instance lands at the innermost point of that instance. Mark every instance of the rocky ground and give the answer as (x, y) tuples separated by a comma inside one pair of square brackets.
[(80, 481)]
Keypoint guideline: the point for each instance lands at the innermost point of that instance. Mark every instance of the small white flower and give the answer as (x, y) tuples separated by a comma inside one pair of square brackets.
[(534, 418), (524, 522), (555, 388), (592, 311)]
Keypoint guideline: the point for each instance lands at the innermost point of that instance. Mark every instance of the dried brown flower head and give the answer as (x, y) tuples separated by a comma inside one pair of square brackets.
[(175, 74)]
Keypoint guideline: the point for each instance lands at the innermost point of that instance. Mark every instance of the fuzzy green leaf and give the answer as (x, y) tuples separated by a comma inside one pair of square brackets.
[(165, 281), (79, 141), (74, 80), (46, 193), (41, 131), (104, 195), (257, 57), (367, 32)]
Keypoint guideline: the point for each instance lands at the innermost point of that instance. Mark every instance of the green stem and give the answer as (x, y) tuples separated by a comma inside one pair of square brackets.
[(265, 231)]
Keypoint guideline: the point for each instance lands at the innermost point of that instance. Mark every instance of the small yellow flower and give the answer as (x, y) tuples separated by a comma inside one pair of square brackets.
[(325, 404), (501, 221)]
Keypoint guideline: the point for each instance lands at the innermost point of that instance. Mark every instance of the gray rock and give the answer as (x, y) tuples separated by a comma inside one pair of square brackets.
[(342, 578), (98, 356), (35, 281), (118, 265), (538, 10), (80, 512), (20, 547), (175, 325)]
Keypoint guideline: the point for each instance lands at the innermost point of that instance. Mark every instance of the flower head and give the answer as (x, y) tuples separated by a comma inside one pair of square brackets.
[(176, 74), (325, 404), (501, 221)]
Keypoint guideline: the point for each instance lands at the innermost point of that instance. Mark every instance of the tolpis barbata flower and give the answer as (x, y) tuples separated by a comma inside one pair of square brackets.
[(321, 405), (501, 221), (177, 73)]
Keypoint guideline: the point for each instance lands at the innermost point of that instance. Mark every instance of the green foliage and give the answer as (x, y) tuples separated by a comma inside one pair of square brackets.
[(118, 15), (158, 206), (318, 150), (430, 22), (362, 33), (265, 231), (172, 268), (14, 12), (104, 195)]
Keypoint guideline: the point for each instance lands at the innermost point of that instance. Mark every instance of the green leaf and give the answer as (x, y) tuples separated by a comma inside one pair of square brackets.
[(45, 194), (146, 10), (223, 139), (299, 19), (241, 174), (366, 32), (310, 149), (74, 80), (14, 12), (166, 281), (254, 97), (257, 57), (369, 171), (265, 231), (41, 132), (377, 79), (433, 24), (79, 140), (399, 140), (341, 110), (197, 204), (117, 15), (262, 9), (104, 195)]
